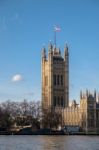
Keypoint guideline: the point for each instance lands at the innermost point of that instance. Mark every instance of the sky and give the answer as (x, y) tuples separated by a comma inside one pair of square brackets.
[(27, 25)]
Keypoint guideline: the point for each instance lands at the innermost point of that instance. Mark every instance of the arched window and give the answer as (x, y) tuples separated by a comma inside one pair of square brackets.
[(54, 79), (54, 102), (62, 103), (57, 79), (61, 79)]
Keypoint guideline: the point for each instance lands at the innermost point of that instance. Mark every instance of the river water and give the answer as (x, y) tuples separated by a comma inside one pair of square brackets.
[(49, 142)]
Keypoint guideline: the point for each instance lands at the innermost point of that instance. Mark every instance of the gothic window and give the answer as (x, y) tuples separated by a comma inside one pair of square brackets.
[(58, 101), (61, 79), (46, 80), (57, 79), (54, 103), (62, 101), (54, 79)]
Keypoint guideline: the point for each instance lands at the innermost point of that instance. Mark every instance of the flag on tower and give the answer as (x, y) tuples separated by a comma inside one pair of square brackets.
[(57, 29)]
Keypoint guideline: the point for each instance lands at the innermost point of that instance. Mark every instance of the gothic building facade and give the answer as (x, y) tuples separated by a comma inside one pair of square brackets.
[(55, 77), (84, 115), (55, 92)]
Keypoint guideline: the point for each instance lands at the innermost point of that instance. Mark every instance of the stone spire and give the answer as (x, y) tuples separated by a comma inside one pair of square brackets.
[(87, 93), (50, 47), (66, 50), (80, 94), (95, 95), (44, 53)]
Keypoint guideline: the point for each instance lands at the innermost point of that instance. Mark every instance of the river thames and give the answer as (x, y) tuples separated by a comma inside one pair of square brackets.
[(49, 142)]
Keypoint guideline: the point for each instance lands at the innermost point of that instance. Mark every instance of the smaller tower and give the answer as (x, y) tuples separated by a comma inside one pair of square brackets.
[(81, 94), (88, 111)]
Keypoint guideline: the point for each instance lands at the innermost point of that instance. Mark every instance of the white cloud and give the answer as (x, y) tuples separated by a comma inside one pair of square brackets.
[(17, 78)]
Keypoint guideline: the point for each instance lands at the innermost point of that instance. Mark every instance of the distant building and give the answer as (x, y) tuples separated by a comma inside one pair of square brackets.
[(86, 115)]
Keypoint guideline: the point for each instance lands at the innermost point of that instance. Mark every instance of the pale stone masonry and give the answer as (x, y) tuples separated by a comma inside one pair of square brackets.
[(84, 115), (55, 92), (55, 77)]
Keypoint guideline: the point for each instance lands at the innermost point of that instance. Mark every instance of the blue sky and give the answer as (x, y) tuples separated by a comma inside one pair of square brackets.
[(27, 25)]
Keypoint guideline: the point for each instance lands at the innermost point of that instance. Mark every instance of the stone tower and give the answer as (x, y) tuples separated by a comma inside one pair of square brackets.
[(88, 110), (55, 77)]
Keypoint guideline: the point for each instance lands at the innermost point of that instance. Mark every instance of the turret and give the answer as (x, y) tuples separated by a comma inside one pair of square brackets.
[(98, 98), (50, 51), (44, 53), (50, 47), (95, 95), (80, 94), (87, 93), (66, 51)]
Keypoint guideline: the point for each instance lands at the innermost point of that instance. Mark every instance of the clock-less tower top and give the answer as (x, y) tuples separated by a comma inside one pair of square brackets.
[(55, 77)]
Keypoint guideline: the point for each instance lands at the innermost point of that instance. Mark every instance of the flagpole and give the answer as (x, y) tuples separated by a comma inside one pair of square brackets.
[(55, 38), (56, 29)]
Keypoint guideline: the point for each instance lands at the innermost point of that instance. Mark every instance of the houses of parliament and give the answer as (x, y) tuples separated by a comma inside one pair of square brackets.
[(55, 92)]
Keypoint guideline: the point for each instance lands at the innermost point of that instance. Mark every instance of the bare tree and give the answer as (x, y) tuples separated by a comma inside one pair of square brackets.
[(21, 113), (51, 118)]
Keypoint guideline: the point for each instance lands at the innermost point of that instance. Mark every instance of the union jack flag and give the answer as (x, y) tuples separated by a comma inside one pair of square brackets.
[(57, 28)]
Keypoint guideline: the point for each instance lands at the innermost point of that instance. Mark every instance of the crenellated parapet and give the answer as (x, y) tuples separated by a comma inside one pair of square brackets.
[(88, 95), (55, 51)]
